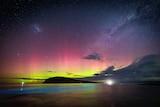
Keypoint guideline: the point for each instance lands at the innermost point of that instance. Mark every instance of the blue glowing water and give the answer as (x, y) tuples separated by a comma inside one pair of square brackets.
[(46, 88), (79, 95)]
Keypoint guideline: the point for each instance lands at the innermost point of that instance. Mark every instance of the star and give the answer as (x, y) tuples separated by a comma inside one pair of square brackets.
[(18, 54)]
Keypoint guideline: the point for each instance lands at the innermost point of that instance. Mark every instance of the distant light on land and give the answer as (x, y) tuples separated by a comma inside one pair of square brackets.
[(22, 84), (109, 82)]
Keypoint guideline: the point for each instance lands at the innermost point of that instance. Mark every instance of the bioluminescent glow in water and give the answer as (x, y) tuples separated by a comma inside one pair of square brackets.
[(48, 89)]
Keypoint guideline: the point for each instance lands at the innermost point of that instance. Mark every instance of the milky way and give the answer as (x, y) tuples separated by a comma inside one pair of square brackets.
[(75, 38)]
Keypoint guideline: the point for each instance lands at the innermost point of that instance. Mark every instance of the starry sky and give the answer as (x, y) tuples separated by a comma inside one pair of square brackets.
[(75, 38)]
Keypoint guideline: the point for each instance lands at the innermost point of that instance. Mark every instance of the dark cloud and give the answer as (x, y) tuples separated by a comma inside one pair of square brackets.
[(30, 78), (94, 56), (68, 73), (102, 74), (77, 75), (52, 71), (49, 71), (145, 68), (110, 69)]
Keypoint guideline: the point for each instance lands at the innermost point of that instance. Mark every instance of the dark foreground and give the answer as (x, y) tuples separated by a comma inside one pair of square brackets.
[(81, 95)]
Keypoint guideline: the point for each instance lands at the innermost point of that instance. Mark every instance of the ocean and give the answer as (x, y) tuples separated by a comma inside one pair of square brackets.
[(79, 95)]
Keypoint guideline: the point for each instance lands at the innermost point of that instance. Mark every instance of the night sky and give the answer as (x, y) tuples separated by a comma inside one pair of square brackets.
[(75, 38)]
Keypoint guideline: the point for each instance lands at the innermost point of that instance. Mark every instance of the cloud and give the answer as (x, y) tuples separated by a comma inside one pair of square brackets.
[(145, 68), (52, 71), (109, 70), (77, 75), (94, 56), (30, 78), (68, 73)]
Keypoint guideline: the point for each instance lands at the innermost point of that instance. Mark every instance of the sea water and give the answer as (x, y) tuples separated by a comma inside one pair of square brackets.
[(79, 95)]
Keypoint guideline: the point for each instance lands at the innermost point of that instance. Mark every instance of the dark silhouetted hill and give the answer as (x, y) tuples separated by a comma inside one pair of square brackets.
[(64, 80)]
